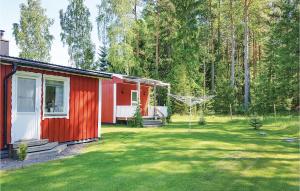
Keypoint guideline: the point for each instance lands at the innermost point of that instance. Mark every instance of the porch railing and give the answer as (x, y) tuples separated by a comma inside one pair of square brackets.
[(127, 111), (160, 110)]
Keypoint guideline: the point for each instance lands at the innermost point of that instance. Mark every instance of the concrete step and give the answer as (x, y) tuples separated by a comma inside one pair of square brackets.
[(31, 142), (152, 121), (47, 153), (153, 125), (3, 154), (47, 146), (42, 154), (61, 147)]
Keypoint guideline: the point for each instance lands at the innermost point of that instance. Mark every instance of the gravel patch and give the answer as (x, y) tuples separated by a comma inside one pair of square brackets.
[(71, 150)]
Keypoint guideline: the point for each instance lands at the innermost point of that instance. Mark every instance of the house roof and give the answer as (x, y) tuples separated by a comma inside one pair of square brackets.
[(52, 67), (135, 79), (67, 69)]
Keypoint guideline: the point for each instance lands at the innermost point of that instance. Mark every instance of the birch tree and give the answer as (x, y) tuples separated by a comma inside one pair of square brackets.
[(76, 34), (32, 34)]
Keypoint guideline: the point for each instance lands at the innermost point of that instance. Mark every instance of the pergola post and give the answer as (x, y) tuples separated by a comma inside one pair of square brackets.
[(139, 92), (168, 96), (155, 101)]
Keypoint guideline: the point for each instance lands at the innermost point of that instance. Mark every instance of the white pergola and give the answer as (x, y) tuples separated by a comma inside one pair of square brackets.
[(147, 81)]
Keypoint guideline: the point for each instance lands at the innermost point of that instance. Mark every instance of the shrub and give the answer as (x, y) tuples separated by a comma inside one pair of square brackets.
[(168, 118), (137, 118), (202, 119), (256, 123), (22, 151)]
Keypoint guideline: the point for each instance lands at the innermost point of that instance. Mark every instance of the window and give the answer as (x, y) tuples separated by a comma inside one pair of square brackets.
[(56, 96), (134, 97), (26, 95)]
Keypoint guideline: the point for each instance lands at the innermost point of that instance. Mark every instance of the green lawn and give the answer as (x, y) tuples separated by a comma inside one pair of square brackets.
[(222, 155)]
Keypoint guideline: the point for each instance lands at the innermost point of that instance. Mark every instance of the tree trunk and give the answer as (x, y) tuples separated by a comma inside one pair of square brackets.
[(232, 77), (137, 32), (212, 50), (157, 41), (246, 57), (254, 58)]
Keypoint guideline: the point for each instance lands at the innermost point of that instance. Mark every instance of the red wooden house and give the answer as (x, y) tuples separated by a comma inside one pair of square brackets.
[(46, 101), (43, 101), (122, 94)]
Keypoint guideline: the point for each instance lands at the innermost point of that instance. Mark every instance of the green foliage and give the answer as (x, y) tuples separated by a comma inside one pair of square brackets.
[(76, 33), (137, 120), (194, 44), (256, 123), (102, 61), (202, 121), (22, 151), (32, 34)]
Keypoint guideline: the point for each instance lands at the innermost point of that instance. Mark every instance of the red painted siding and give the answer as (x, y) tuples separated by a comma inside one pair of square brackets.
[(124, 95), (83, 109), (107, 101), (4, 70)]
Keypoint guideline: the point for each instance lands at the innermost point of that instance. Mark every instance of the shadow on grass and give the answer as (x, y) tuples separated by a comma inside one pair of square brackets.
[(217, 157)]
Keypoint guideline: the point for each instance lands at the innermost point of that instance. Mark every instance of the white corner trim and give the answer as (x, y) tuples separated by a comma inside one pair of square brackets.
[(100, 108), (114, 102), (66, 81)]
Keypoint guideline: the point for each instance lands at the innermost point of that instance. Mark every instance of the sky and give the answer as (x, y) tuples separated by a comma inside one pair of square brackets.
[(10, 13)]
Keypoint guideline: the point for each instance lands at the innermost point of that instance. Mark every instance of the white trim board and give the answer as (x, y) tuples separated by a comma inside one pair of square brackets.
[(38, 78), (99, 108), (66, 81), (137, 96), (114, 102)]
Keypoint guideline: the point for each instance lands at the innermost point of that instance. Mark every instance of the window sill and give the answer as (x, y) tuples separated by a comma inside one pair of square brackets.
[(55, 116)]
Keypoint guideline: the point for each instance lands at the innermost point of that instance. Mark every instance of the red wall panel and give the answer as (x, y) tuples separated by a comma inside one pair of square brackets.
[(83, 109), (124, 95), (107, 101), (5, 70)]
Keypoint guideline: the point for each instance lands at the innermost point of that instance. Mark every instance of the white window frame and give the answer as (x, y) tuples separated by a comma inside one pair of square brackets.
[(134, 102), (66, 81)]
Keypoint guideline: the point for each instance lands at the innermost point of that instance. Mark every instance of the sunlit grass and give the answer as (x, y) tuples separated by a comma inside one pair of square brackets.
[(224, 154)]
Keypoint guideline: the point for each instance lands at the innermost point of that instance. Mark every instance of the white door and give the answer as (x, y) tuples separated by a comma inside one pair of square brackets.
[(26, 104)]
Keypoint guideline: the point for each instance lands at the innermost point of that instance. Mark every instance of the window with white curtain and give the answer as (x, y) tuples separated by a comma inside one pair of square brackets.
[(56, 96)]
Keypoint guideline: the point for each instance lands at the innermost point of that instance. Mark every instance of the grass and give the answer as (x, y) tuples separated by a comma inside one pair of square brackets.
[(222, 155)]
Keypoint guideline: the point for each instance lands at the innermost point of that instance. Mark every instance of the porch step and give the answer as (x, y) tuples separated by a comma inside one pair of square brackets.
[(46, 153), (30, 142), (44, 147), (152, 123), (38, 149)]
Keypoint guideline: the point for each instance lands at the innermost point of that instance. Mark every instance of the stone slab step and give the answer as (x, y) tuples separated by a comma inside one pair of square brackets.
[(152, 122), (153, 125), (31, 142), (47, 146), (47, 153), (61, 147), (41, 154)]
